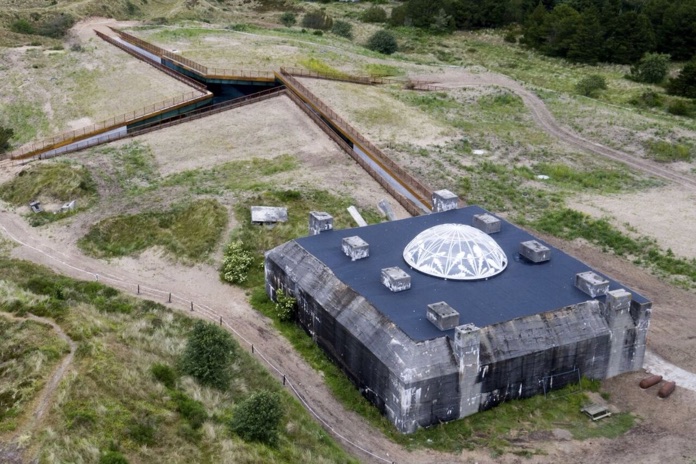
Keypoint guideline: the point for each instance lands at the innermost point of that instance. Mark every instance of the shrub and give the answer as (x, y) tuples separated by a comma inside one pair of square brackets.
[(5, 135), (649, 98), (383, 41), (142, 431), (236, 263), (164, 374), (284, 306), (685, 83), (22, 26), (666, 152), (112, 457), (510, 37), (317, 19), (374, 14), (57, 26), (679, 108), (208, 354), (652, 68), (343, 29), (191, 410), (399, 16), (590, 85), (288, 19), (258, 418)]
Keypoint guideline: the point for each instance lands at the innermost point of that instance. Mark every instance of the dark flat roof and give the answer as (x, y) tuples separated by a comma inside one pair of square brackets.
[(523, 289)]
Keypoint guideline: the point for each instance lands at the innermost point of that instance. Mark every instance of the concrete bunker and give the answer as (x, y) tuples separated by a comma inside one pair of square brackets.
[(521, 332)]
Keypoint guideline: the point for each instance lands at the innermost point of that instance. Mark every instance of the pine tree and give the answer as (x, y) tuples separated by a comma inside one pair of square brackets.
[(586, 46)]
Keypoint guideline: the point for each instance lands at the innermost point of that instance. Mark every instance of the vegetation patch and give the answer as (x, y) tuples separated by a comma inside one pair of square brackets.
[(666, 152), (189, 231), (321, 67), (50, 182), (113, 409)]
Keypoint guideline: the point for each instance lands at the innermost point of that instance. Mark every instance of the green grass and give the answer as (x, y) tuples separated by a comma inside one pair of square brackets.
[(113, 402), (132, 167), (26, 119), (666, 152), (52, 182), (29, 352), (321, 67), (383, 70), (190, 232)]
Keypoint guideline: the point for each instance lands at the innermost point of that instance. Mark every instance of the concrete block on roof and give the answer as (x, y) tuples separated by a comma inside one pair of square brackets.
[(592, 284), (396, 279), (444, 200), (355, 248), (442, 315), (487, 223), (535, 251)]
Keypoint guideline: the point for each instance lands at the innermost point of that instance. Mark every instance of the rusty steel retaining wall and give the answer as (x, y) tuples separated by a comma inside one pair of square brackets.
[(178, 76), (191, 116), (413, 185), (403, 201)]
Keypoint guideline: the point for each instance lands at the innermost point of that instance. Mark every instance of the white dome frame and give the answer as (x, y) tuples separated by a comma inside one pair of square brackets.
[(455, 252)]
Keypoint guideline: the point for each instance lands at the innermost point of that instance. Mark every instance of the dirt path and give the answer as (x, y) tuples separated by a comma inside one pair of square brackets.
[(544, 118), (46, 396)]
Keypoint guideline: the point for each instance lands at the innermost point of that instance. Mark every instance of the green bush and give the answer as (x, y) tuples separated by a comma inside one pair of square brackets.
[(288, 19), (236, 263), (5, 135), (590, 85), (652, 68), (649, 98), (374, 14), (208, 355), (685, 83), (666, 152), (56, 26), (343, 29), (164, 374), (317, 19), (399, 16), (258, 418), (193, 411), (679, 108), (383, 42), (22, 26), (284, 305), (112, 457)]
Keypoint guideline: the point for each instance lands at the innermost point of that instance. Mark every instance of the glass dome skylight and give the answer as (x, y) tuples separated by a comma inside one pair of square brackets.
[(457, 252)]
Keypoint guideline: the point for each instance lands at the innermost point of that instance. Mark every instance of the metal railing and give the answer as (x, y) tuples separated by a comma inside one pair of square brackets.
[(67, 138), (171, 73), (204, 71), (365, 80), (186, 117), (413, 185)]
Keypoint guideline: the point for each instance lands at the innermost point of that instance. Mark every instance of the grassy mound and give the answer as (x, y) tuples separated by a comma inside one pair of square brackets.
[(191, 232), (54, 182)]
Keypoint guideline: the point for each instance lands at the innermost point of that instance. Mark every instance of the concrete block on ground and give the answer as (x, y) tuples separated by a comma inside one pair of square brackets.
[(592, 284), (268, 214), (442, 315), (396, 279), (355, 248), (386, 208), (535, 251), (487, 223), (319, 221), (357, 217), (444, 200)]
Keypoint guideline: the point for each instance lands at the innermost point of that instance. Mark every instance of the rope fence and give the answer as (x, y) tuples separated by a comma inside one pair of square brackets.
[(209, 313)]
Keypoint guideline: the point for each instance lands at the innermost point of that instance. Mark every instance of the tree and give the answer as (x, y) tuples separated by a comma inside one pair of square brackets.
[(383, 41), (288, 19), (685, 83), (560, 28), (534, 31), (5, 135), (586, 45), (208, 355), (651, 69), (343, 29), (590, 85), (631, 37), (258, 418)]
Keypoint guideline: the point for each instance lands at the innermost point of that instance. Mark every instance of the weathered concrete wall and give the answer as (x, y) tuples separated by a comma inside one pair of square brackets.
[(416, 384)]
